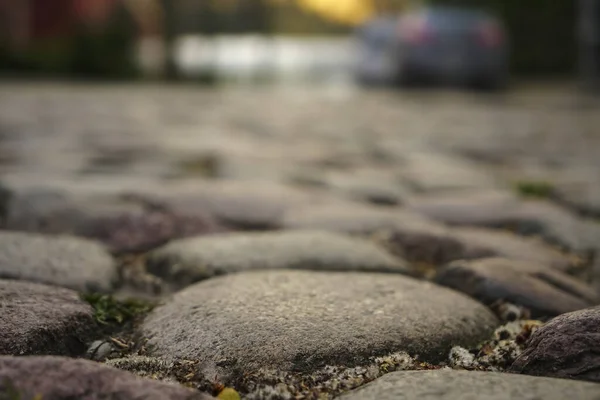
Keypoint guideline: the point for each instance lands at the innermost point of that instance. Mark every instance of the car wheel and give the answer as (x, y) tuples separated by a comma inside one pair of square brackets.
[(497, 82), (407, 78)]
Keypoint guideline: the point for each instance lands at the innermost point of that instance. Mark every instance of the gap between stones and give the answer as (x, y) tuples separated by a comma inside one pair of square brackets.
[(128, 351)]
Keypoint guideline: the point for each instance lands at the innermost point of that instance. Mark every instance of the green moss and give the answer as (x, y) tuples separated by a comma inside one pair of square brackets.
[(206, 165), (538, 189), (8, 391), (110, 311)]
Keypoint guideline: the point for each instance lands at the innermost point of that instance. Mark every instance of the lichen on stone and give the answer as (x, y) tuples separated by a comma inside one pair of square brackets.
[(508, 312), (497, 354), (184, 372), (324, 383), (461, 358)]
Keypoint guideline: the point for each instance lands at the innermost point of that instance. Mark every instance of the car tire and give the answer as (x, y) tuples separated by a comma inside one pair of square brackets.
[(406, 78), (494, 83)]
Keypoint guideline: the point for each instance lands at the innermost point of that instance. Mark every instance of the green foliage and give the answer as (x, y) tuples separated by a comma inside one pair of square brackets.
[(49, 56), (109, 54), (110, 311), (542, 33), (535, 189)]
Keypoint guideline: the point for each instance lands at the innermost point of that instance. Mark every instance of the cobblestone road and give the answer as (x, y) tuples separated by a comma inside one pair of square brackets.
[(151, 131), (298, 242)]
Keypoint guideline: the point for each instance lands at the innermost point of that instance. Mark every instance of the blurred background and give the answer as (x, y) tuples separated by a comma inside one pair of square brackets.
[(263, 40), (215, 103)]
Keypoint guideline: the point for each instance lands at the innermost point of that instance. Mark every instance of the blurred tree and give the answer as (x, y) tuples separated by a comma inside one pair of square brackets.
[(169, 35), (108, 50), (589, 50), (244, 16)]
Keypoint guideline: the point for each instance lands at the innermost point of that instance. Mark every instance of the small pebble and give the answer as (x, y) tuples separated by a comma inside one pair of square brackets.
[(99, 350)]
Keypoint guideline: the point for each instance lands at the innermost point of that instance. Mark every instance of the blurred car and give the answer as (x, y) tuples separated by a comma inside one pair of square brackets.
[(434, 45)]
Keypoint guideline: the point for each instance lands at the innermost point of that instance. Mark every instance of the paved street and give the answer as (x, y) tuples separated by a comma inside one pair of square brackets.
[(83, 131), (299, 242)]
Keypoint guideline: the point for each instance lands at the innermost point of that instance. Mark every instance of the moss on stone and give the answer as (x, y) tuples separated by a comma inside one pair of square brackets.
[(206, 165), (110, 311), (8, 391), (537, 189)]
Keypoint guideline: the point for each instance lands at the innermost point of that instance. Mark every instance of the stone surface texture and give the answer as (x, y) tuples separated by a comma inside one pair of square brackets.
[(59, 378), (304, 320), (568, 347), (497, 243), (546, 292), (450, 385), (39, 319), (63, 261), (194, 259), (357, 219), (336, 233)]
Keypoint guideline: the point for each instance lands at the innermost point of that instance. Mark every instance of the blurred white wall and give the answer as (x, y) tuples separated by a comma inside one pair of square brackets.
[(250, 57)]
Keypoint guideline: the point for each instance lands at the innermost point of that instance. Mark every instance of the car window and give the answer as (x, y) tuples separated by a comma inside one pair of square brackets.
[(380, 31), (455, 18)]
